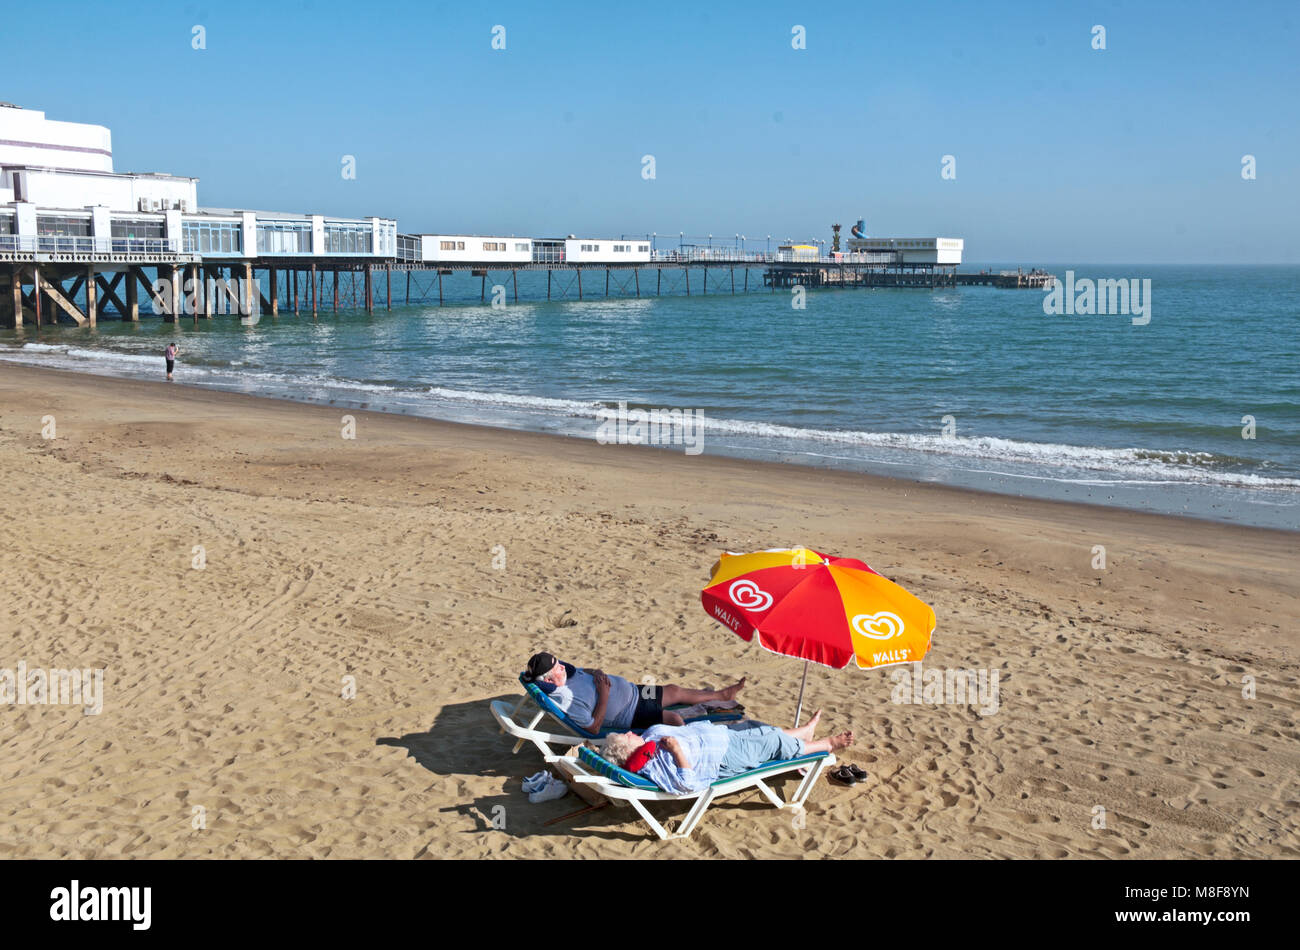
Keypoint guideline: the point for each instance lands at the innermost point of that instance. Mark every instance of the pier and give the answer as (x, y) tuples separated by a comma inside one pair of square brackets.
[(1009, 279), (79, 240), (79, 287)]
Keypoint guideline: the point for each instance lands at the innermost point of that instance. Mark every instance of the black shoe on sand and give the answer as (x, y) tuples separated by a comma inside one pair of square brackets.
[(844, 776)]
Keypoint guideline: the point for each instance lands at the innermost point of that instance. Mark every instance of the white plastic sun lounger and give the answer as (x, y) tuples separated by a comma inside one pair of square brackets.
[(619, 785), (572, 734)]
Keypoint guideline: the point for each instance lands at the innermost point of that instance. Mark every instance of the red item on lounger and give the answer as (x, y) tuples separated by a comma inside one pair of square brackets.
[(637, 760)]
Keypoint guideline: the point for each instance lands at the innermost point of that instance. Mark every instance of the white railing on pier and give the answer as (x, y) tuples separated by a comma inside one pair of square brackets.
[(732, 255), (62, 244)]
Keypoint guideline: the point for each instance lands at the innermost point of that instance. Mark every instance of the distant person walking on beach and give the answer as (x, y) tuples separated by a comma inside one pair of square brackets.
[(170, 353)]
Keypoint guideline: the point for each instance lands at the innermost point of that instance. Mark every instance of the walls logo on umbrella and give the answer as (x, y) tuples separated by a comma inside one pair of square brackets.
[(747, 595), (879, 626)]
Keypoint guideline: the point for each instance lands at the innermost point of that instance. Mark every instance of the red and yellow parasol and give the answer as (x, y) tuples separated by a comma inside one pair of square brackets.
[(822, 609)]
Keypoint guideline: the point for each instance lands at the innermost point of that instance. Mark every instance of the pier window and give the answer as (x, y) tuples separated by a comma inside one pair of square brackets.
[(137, 228), (51, 225), (6, 224), (348, 239), (137, 234), (545, 251), (213, 237), (284, 237), (521, 246), (62, 233)]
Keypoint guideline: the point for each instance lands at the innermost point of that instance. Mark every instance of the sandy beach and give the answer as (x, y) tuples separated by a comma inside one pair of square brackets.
[(325, 558)]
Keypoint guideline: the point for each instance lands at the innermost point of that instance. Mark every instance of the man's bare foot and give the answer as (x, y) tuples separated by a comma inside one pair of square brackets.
[(805, 732), (841, 741), (730, 692)]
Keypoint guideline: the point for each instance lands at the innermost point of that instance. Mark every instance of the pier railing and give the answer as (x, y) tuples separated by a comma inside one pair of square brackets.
[(731, 255), (63, 244), (408, 253)]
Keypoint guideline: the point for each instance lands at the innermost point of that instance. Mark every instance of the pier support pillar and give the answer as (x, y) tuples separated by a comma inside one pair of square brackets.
[(514, 279), (336, 290), (295, 291), (687, 272), (132, 313), (636, 274), (659, 281), (92, 298), (579, 283), (313, 289), (194, 285), (178, 298), (548, 283), (408, 286), (16, 294), (275, 292), (370, 296), (251, 292), (606, 281), (36, 294), (388, 284), (205, 277)]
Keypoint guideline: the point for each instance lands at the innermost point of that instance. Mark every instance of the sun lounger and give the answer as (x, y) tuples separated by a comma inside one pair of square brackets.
[(573, 733), (594, 771)]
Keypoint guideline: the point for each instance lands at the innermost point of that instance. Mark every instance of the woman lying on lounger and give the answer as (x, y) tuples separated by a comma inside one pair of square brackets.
[(595, 700), (690, 758)]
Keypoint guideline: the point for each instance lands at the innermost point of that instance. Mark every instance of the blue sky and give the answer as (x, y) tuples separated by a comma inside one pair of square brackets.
[(1063, 153)]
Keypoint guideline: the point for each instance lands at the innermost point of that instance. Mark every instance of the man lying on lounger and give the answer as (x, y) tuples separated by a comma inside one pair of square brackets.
[(692, 757), (595, 700)]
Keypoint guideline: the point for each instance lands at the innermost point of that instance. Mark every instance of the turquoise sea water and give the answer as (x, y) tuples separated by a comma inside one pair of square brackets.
[(1090, 408)]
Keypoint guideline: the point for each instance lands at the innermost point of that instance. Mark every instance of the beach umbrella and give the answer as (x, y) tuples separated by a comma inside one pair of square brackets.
[(821, 609)]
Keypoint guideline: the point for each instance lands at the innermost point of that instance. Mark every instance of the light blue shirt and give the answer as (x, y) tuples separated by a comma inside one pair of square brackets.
[(704, 744), (577, 698)]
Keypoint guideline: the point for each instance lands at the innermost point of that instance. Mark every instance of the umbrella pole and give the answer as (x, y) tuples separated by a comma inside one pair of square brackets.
[(802, 683)]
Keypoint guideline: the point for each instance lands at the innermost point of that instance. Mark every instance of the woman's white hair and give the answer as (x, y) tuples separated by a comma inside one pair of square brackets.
[(619, 746)]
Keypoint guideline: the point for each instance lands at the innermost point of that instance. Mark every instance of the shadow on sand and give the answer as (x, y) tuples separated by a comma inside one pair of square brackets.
[(464, 740)]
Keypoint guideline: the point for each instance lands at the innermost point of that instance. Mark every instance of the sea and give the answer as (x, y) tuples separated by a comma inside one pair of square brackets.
[(1191, 409)]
